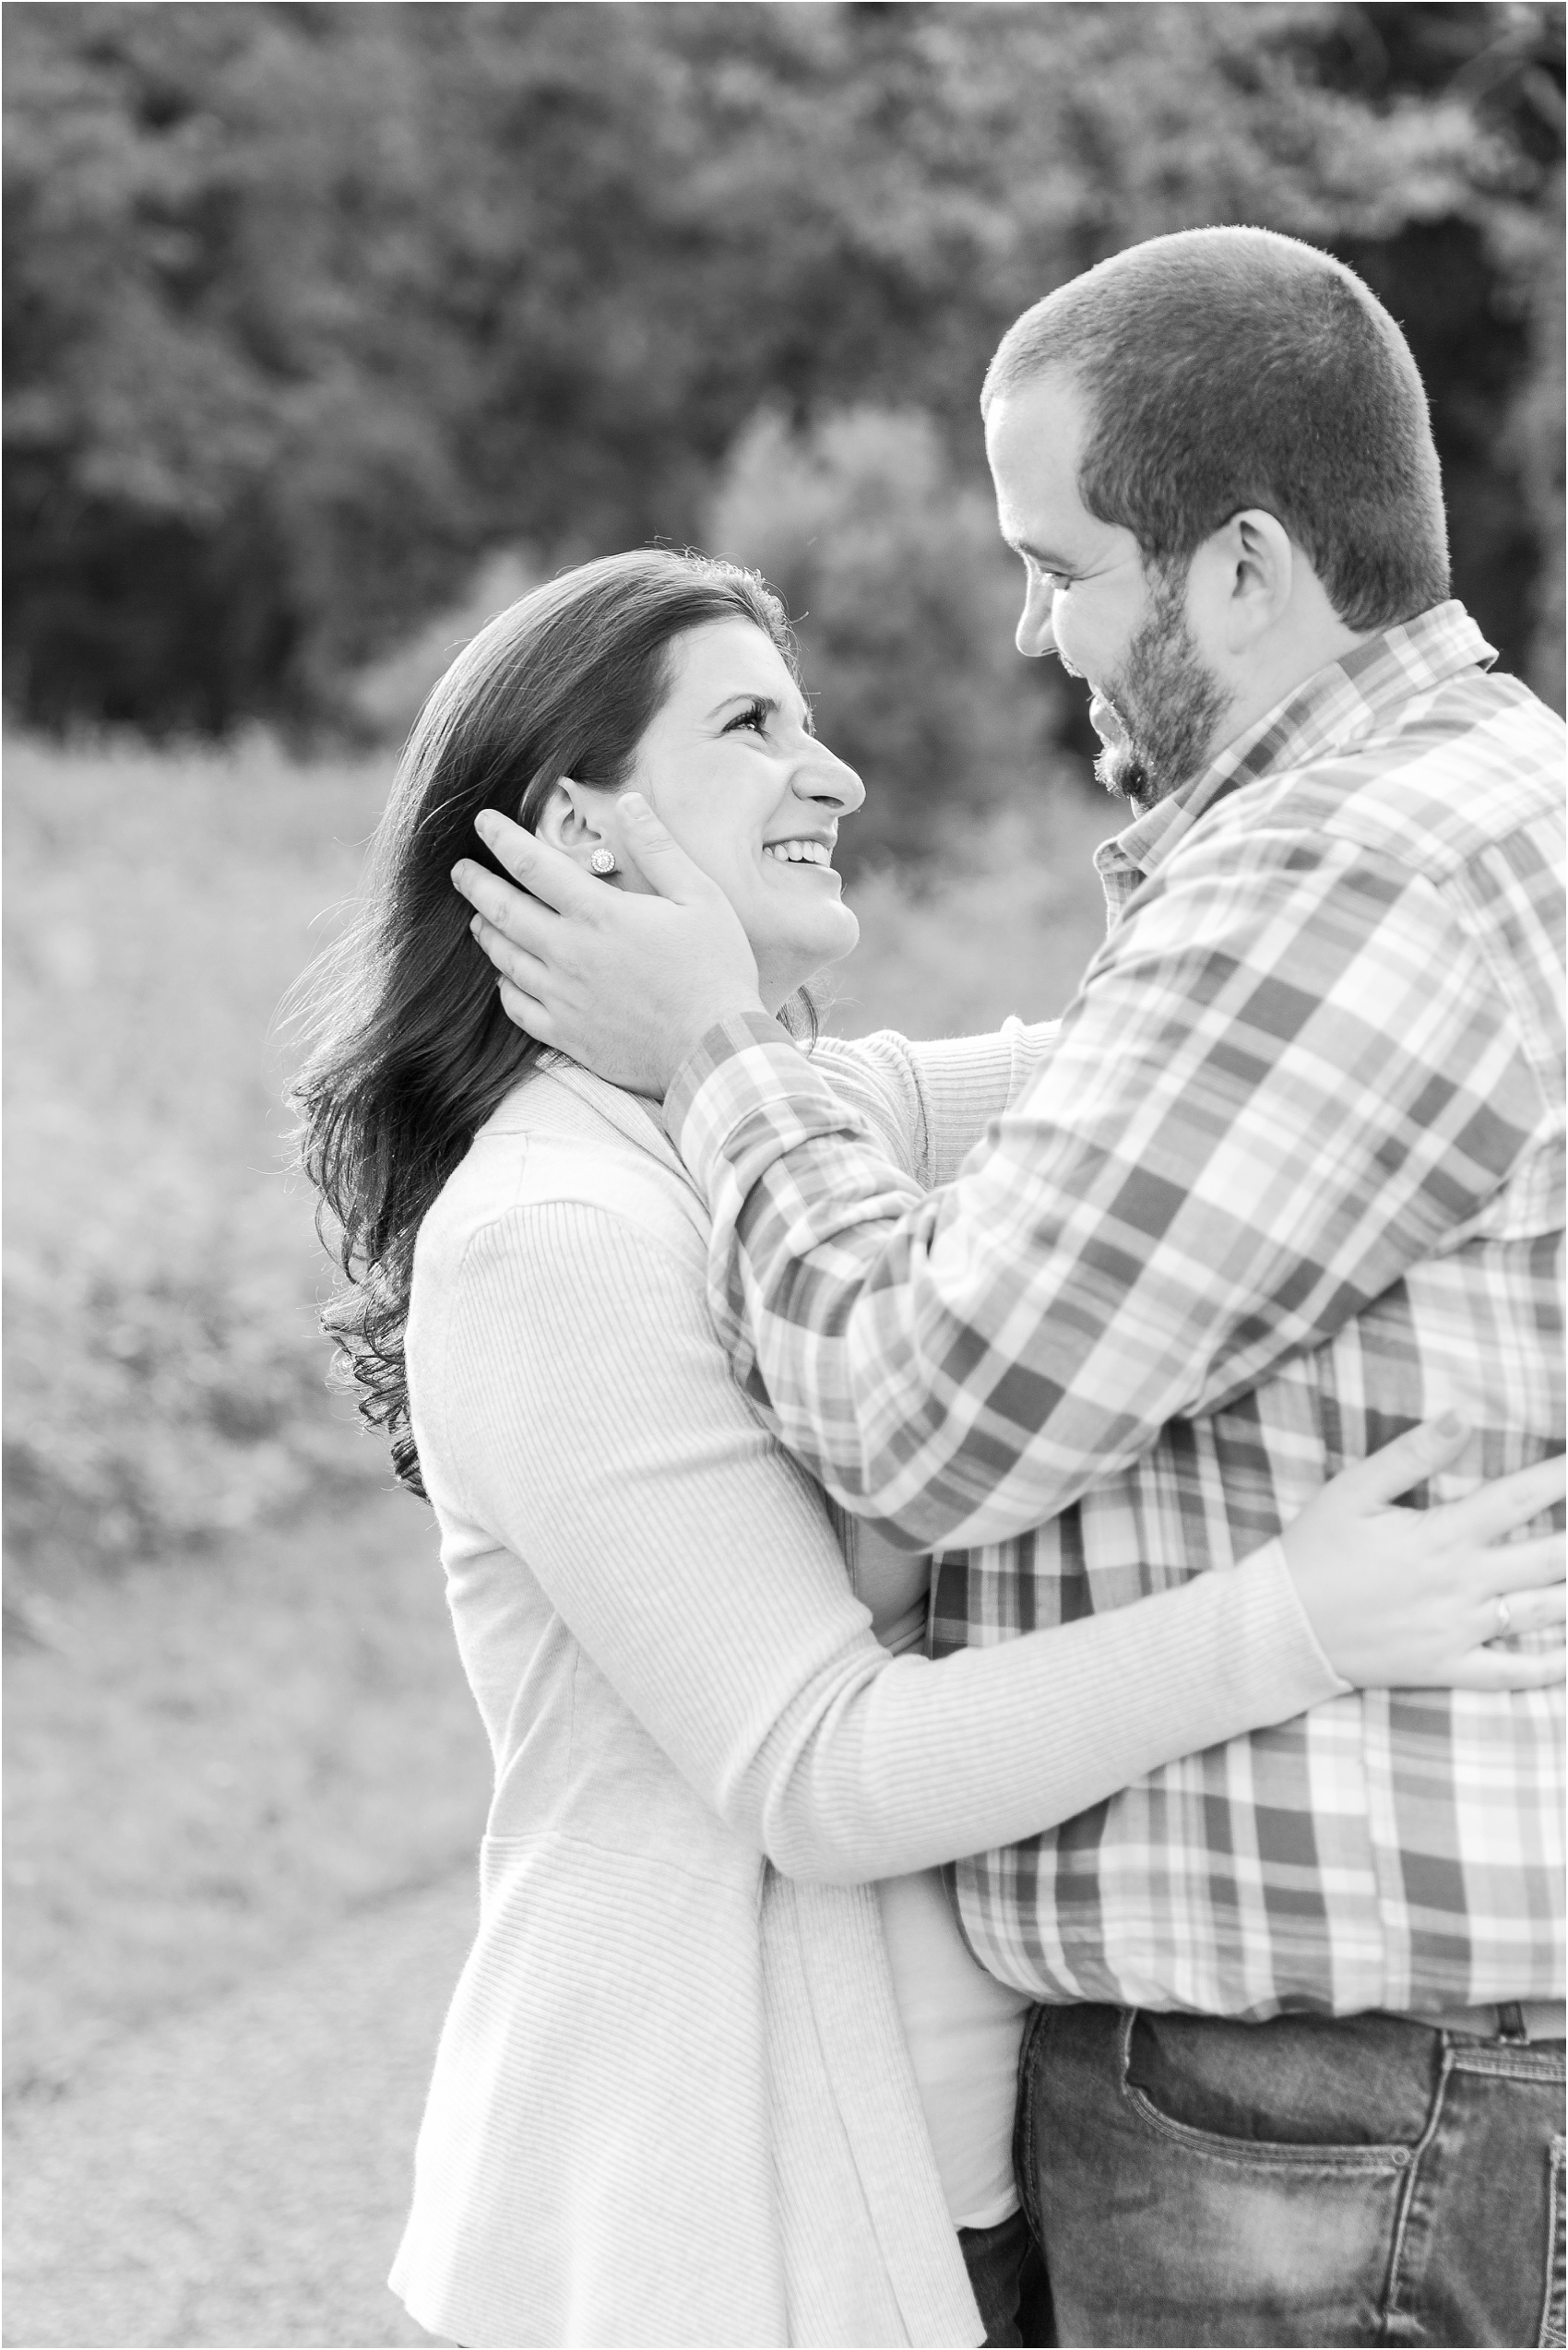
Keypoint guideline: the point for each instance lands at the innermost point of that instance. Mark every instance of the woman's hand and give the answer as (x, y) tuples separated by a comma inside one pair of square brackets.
[(1409, 1598)]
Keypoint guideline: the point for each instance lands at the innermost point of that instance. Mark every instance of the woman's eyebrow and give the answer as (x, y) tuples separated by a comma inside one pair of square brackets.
[(760, 701), (769, 702)]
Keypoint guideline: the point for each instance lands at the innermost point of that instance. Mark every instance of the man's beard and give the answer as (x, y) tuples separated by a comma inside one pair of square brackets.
[(1169, 705)]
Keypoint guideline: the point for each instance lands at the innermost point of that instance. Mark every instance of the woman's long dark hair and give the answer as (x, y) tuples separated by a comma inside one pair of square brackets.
[(411, 1050)]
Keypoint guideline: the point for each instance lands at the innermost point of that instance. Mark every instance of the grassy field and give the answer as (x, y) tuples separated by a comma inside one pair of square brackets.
[(232, 1709), (164, 1382)]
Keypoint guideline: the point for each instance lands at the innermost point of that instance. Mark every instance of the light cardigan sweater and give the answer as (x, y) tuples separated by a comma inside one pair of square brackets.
[(672, 2103)]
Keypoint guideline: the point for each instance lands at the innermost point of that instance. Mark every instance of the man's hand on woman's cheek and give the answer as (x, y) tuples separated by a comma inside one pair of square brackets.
[(624, 984)]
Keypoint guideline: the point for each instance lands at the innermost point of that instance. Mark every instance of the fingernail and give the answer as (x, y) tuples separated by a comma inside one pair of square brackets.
[(473, 927), (1450, 1424), (484, 825), (633, 804)]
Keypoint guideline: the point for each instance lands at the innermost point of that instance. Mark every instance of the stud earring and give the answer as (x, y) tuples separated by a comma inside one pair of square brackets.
[(602, 861)]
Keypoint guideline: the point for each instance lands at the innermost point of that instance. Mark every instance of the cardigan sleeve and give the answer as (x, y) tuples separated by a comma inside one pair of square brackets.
[(931, 1102), (590, 1416)]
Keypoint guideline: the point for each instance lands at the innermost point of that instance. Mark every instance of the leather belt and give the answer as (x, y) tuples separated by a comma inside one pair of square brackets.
[(1510, 2020)]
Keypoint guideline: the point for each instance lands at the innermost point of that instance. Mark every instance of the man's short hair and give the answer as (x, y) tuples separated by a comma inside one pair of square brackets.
[(1229, 368)]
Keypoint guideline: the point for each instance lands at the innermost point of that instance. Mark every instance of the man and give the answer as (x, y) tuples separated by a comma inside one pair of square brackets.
[(1290, 1181)]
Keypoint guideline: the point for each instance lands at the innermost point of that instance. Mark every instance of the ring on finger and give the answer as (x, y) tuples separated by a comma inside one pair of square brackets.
[(1504, 1624)]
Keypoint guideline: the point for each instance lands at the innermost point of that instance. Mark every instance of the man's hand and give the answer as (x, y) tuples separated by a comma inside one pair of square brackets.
[(624, 984)]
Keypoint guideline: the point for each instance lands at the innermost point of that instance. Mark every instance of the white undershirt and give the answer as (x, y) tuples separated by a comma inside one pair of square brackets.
[(962, 2028)]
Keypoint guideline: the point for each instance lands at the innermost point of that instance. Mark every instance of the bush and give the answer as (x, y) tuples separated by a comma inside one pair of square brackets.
[(164, 1373), (1006, 925), (905, 601)]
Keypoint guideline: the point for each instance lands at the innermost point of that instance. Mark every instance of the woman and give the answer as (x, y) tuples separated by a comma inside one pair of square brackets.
[(703, 2081)]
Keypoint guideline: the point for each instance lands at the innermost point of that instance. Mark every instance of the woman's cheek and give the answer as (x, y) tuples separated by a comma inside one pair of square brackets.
[(685, 828), (722, 864)]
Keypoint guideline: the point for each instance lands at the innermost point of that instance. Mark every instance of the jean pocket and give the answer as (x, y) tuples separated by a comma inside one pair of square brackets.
[(1554, 2315), (1254, 2093)]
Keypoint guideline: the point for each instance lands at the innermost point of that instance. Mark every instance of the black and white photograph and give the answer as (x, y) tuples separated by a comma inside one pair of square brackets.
[(784, 1376)]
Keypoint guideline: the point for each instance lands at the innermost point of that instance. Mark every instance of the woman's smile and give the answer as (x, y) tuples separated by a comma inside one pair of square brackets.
[(808, 850)]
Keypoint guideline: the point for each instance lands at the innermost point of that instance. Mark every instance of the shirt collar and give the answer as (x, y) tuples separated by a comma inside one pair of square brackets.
[(1334, 704)]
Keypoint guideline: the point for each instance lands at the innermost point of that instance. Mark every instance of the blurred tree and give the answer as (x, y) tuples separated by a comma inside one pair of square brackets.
[(231, 453), (311, 306), (905, 601), (1479, 290)]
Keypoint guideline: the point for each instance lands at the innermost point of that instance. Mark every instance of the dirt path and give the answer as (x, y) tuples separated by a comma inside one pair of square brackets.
[(239, 2174)]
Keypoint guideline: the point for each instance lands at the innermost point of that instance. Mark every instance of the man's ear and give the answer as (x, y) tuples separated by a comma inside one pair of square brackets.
[(571, 818), (1249, 568)]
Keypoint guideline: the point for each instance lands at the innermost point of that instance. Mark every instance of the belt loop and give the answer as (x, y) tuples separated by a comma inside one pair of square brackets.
[(1511, 2020)]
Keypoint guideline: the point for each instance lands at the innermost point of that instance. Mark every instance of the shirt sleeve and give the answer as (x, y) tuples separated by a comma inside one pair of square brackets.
[(594, 1429), (928, 1104), (1286, 1077)]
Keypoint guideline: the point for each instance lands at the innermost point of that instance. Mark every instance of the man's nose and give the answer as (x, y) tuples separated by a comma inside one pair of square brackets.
[(1034, 637)]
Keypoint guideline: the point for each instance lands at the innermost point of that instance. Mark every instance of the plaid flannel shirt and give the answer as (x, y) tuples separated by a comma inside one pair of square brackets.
[(1290, 1181)]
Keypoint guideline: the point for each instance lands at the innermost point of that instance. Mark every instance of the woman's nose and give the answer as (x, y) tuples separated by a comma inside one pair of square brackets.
[(828, 778), (1033, 636)]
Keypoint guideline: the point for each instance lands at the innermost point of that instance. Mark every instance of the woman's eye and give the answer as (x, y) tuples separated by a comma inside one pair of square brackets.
[(755, 717)]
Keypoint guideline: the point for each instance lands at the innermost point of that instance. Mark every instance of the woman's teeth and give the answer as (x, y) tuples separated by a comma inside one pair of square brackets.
[(798, 852)]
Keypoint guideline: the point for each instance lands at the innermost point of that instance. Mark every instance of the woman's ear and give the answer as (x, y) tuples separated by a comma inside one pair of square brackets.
[(571, 818)]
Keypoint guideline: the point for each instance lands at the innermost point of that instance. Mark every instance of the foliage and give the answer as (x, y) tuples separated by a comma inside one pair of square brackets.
[(905, 600), (308, 307), (384, 698), (1002, 923), (164, 1375)]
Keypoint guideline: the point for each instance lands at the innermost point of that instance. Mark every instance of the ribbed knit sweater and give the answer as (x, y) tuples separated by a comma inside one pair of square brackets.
[(671, 2104)]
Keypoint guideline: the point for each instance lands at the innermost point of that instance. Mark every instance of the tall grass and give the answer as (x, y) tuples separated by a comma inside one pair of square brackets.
[(165, 1379)]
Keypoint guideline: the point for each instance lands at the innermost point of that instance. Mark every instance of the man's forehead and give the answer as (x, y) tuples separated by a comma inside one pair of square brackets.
[(1047, 413), (1033, 437)]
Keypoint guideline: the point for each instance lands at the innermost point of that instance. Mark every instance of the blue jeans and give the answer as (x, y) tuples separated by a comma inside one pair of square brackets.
[(1364, 2179), (1008, 2283)]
